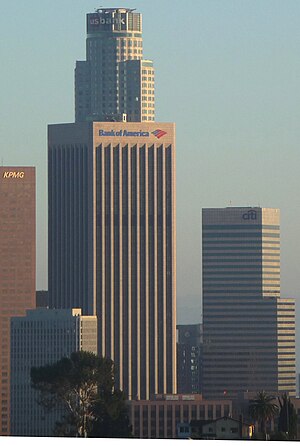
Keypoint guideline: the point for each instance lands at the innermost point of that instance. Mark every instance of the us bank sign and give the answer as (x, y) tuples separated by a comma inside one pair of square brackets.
[(158, 133)]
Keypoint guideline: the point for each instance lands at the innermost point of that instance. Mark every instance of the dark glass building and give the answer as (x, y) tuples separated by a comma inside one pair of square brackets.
[(248, 330), (189, 358), (43, 337)]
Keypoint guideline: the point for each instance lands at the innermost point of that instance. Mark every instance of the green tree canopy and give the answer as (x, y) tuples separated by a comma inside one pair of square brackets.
[(81, 385), (263, 410)]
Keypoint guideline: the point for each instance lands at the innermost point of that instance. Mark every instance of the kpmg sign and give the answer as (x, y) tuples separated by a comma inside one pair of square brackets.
[(13, 174), (158, 133)]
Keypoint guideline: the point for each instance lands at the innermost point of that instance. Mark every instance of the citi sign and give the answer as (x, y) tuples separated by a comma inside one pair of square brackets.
[(13, 174), (250, 215)]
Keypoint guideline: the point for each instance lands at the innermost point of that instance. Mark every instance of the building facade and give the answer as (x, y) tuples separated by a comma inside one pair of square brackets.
[(112, 251), (249, 332), (17, 265), (189, 358), (114, 83), (161, 416), (43, 337)]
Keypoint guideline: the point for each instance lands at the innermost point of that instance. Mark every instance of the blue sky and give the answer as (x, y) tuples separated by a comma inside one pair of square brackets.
[(228, 74)]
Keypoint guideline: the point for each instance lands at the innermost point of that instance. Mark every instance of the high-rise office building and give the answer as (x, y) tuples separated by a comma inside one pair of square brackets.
[(43, 337), (17, 265), (249, 331), (112, 243), (114, 83), (189, 358)]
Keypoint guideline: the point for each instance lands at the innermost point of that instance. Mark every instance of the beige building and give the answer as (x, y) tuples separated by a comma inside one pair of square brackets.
[(161, 416), (249, 331), (17, 265), (112, 250), (43, 337)]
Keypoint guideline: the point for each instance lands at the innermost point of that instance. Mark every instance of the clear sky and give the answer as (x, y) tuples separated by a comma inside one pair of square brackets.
[(228, 74)]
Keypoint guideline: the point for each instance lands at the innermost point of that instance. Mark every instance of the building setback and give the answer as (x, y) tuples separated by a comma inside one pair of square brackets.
[(17, 265), (249, 331), (114, 83), (43, 337), (112, 239)]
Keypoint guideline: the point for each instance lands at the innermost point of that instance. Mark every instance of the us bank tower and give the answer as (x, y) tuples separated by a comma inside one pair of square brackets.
[(112, 227)]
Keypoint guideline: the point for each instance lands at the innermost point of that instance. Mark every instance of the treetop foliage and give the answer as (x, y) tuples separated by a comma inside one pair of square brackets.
[(83, 385)]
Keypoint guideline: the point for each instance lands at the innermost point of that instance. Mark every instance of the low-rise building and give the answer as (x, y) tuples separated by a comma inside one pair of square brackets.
[(224, 428), (160, 416)]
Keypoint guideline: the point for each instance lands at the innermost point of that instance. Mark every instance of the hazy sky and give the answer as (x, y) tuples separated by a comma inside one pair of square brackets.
[(228, 74)]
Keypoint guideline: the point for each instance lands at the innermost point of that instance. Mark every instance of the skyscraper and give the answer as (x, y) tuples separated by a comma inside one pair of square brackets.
[(17, 265), (249, 331), (43, 337), (112, 240), (112, 192), (114, 83)]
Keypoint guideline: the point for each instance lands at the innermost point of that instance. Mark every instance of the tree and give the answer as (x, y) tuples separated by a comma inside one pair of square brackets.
[(263, 410), (287, 421), (79, 384), (111, 417)]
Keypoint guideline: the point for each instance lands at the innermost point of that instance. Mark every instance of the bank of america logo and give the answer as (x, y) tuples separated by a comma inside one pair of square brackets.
[(159, 133)]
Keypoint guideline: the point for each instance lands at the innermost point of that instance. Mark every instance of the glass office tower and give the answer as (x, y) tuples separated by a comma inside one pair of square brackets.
[(249, 331)]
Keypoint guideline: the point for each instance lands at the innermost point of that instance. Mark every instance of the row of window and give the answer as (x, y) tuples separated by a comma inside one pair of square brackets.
[(148, 98), (119, 42)]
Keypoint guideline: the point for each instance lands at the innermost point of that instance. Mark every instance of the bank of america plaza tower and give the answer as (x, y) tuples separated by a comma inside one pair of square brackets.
[(112, 228)]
